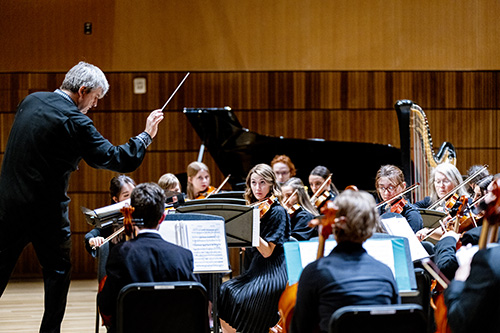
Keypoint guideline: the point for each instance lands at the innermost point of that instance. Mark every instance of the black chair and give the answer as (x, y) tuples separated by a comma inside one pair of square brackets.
[(394, 318), (423, 298), (162, 307)]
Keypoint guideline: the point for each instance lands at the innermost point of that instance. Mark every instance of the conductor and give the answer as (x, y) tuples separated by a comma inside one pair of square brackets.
[(50, 135)]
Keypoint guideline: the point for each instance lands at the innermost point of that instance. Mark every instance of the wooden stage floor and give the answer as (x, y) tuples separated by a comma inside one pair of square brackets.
[(21, 307)]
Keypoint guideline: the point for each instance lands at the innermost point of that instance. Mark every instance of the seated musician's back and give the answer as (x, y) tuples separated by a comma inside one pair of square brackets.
[(147, 258), (348, 275)]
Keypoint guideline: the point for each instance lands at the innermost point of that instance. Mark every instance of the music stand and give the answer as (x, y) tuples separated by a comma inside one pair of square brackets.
[(242, 223), (431, 217)]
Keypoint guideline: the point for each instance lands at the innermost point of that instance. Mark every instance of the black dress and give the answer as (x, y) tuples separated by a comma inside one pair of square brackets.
[(249, 302), (299, 222)]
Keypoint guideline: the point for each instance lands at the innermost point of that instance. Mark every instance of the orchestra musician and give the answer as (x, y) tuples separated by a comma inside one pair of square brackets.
[(473, 296), (348, 275), (444, 178), (120, 188), (198, 182), (317, 177), (283, 168), (472, 170), (148, 257), (299, 208), (169, 183), (50, 135), (172, 188), (446, 248), (249, 302), (389, 183)]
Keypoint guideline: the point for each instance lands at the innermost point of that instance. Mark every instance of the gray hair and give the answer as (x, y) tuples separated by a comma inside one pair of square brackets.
[(85, 75)]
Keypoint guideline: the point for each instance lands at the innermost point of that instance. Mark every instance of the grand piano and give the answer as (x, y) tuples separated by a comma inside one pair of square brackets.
[(236, 150)]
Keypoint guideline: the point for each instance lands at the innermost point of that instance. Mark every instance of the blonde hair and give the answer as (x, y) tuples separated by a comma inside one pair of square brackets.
[(192, 170), (454, 176), (361, 217), (168, 181), (304, 199), (266, 172)]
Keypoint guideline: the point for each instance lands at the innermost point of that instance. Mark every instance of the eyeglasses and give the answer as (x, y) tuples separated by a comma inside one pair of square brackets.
[(444, 182), (282, 173), (389, 188)]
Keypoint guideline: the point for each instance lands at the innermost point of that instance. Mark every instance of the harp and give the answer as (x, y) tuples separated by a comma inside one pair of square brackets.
[(417, 151)]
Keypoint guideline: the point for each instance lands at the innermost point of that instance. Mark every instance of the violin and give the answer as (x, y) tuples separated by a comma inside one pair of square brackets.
[(398, 206), (491, 220), (292, 210), (462, 184), (321, 194), (205, 194), (266, 204)]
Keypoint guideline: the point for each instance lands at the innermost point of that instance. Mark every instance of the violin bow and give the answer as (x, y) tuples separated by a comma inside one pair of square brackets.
[(320, 189), (218, 188), (110, 237), (288, 199), (440, 201), (411, 188)]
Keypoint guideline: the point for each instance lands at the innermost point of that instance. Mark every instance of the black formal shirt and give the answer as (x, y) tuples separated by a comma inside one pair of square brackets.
[(347, 276)]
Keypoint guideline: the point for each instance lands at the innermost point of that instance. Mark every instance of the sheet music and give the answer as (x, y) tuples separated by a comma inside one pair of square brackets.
[(388, 251), (397, 226), (205, 239)]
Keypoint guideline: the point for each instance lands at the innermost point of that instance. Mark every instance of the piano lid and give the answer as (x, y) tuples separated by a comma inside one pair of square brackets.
[(236, 150)]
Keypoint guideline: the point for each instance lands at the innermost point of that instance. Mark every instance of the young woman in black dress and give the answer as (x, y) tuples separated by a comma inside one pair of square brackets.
[(249, 302)]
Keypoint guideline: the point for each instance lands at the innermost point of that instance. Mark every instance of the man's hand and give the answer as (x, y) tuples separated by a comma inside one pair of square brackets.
[(152, 122)]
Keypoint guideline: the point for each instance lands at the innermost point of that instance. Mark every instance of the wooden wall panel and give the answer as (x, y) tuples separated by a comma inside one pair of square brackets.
[(227, 35), (461, 107)]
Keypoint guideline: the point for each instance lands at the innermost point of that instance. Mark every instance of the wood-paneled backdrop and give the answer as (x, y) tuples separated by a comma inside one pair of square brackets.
[(328, 69), (462, 108)]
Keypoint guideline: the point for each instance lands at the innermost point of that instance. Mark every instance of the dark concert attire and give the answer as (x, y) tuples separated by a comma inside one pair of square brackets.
[(424, 203), (445, 251), (148, 258), (411, 214), (299, 223), (249, 302), (47, 141), (474, 305), (347, 276)]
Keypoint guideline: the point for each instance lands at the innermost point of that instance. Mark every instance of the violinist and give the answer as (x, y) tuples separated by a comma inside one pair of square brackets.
[(249, 302), (474, 181), (147, 258), (473, 296), (390, 183), (299, 208), (283, 168), (172, 188), (120, 188), (445, 250), (198, 182), (318, 176), (444, 178), (348, 275)]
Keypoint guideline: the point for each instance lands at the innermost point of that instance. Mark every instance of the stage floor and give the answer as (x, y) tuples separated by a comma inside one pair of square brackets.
[(21, 307)]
